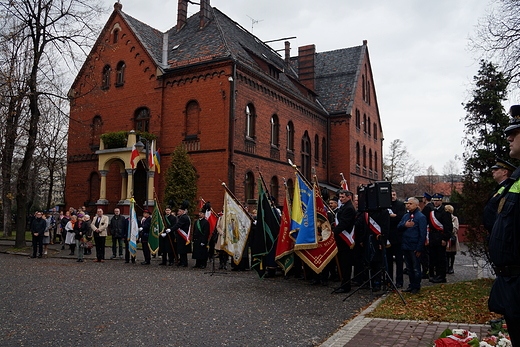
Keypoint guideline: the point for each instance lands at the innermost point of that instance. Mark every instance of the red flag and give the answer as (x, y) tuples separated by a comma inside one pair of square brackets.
[(284, 255), (210, 216), (133, 156)]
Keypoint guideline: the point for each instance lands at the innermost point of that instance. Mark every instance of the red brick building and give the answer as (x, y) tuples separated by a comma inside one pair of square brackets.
[(238, 106)]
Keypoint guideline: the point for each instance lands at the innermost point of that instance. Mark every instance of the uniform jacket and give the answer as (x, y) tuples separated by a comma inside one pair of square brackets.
[(145, 232), (504, 242), (395, 236), (490, 211), (444, 217), (346, 216), (200, 238), (184, 223)]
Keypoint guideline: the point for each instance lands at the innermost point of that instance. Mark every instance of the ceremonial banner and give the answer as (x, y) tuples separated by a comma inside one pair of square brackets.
[(156, 228), (133, 156), (210, 216), (151, 162), (264, 234), (326, 249), (157, 159), (285, 244), (133, 229), (304, 226), (237, 224)]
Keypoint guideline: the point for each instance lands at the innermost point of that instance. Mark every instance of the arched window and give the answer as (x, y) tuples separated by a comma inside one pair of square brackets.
[(358, 119), (275, 131), (250, 121), (116, 35), (375, 161), (290, 136), (358, 154), (250, 186), (95, 131), (192, 119), (365, 123), (363, 88), (375, 131), (364, 157), (368, 92), (290, 188), (120, 73), (370, 159), (306, 155), (142, 119), (323, 151), (273, 189), (105, 81), (369, 126)]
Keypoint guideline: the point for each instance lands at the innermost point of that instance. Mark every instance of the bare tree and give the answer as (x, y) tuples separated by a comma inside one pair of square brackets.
[(47, 29), (451, 173), (398, 165), (498, 37)]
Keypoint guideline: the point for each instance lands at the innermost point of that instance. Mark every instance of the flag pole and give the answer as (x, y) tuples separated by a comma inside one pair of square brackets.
[(212, 210), (164, 224), (271, 203), (236, 200)]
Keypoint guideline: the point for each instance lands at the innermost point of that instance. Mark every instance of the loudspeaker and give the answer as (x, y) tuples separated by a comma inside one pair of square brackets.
[(377, 195)]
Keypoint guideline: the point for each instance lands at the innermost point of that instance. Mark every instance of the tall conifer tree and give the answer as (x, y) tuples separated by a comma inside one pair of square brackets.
[(181, 179)]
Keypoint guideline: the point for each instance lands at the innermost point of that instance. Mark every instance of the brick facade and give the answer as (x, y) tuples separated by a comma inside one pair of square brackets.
[(190, 100)]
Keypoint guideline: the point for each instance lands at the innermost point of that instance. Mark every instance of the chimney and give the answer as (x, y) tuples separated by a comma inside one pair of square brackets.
[(306, 73), (182, 14), (287, 52), (205, 13), (118, 6)]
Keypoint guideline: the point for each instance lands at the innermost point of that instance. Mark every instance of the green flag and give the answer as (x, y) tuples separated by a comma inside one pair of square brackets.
[(156, 229)]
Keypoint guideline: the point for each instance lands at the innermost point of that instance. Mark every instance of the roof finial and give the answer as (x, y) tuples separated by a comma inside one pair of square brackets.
[(118, 6)]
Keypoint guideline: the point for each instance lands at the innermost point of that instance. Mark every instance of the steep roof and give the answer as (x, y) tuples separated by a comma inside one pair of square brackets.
[(337, 73), (221, 39)]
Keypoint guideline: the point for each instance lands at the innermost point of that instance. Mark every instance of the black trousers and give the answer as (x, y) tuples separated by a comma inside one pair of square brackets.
[(37, 244), (438, 261), (397, 252), (346, 261), (146, 251), (100, 247)]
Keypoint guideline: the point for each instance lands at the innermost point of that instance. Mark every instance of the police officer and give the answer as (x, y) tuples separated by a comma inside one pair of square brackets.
[(504, 243), (440, 228), (502, 170)]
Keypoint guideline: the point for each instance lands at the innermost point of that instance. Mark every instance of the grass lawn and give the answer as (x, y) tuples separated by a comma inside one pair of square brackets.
[(463, 302)]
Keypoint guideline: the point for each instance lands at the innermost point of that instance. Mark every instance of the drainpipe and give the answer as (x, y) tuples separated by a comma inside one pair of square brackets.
[(231, 143)]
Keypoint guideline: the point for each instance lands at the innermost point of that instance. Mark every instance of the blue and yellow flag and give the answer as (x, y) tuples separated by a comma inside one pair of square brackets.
[(303, 217)]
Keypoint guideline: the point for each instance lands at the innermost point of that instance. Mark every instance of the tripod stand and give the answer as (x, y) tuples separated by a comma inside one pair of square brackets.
[(382, 271)]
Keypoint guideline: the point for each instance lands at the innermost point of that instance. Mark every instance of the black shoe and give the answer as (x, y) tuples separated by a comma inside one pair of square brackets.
[(450, 271), (376, 288), (431, 279), (33, 256), (195, 267), (313, 282), (439, 280), (145, 263), (324, 283), (162, 264), (415, 291), (355, 283), (425, 276), (39, 255), (399, 285), (127, 261), (407, 290), (341, 290), (202, 266), (62, 247), (171, 264), (71, 253)]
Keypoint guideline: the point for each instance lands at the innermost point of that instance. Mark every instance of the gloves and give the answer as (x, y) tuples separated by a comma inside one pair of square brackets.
[(141, 229), (202, 244), (168, 230), (163, 234)]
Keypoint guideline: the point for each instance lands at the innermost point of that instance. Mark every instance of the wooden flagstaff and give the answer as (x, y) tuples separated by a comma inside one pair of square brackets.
[(212, 210), (271, 203)]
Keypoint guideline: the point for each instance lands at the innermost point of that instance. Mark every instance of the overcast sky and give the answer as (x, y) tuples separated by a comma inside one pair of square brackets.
[(423, 69)]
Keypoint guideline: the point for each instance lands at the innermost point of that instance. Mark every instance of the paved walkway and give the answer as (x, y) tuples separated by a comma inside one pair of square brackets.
[(362, 330)]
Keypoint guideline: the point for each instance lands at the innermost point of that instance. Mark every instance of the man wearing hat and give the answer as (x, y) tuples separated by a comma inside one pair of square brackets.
[(144, 233), (502, 170), (504, 241), (440, 229), (200, 240), (425, 256), (182, 233)]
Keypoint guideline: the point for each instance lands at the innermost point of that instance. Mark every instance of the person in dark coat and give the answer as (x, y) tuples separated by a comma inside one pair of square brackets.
[(38, 227), (346, 216), (144, 233), (441, 229), (504, 242), (117, 230), (200, 241), (182, 232), (167, 240), (501, 171), (397, 211)]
